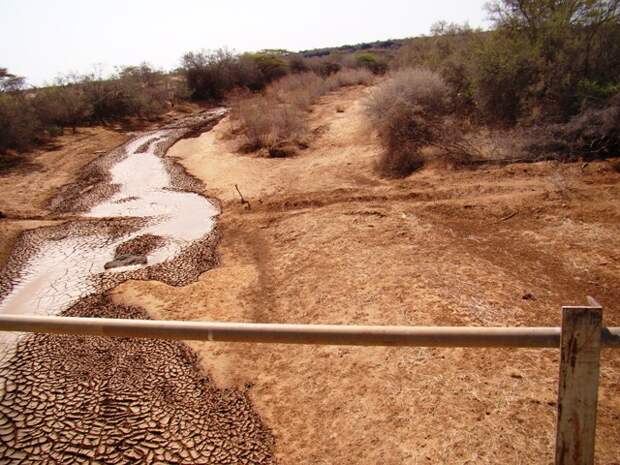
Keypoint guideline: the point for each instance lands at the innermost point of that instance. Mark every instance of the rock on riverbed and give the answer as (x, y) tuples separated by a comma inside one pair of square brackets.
[(126, 260)]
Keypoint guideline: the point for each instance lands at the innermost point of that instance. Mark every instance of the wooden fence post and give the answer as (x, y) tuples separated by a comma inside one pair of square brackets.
[(580, 345)]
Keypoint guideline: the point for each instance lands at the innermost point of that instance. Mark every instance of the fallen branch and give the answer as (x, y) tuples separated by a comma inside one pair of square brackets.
[(506, 218)]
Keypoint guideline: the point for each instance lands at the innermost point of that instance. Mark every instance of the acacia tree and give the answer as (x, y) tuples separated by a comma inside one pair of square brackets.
[(9, 82), (537, 15), (564, 46), (550, 23), (18, 120)]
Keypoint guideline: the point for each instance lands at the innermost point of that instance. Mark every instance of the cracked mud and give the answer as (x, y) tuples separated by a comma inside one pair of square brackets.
[(118, 400)]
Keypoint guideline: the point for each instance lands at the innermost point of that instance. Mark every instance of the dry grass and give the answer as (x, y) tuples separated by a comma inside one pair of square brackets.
[(332, 243), (275, 120), (298, 90), (266, 122)]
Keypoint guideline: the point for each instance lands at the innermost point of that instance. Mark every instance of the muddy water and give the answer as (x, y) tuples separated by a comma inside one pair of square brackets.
[(67, 269)]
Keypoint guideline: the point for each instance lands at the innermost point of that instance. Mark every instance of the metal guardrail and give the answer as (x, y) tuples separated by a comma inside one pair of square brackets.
[(580, 339)]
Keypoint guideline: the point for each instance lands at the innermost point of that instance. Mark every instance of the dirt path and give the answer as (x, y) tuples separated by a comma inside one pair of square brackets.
[(93, 400), (328, 241)]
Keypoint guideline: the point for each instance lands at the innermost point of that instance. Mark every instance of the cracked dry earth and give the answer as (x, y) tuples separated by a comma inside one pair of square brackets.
[(67, 399)]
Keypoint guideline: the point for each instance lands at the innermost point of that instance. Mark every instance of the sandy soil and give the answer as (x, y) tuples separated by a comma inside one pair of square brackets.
[(327, 241)]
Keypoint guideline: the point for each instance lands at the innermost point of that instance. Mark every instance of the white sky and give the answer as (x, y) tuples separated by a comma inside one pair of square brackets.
[(41, 39)]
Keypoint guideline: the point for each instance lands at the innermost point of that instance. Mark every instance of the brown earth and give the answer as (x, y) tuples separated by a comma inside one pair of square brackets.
[(29, 186), (328, 241)]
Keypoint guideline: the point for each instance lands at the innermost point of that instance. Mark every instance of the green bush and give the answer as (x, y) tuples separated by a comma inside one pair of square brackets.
[(371, 62), (210, 75), (324, 65), (113, 99), (271, 66), (505, 69), (595, 94), (78, 100), (592, 134), (561, 44), (19, 124), (542, 62), (55, 131), (62, 106), (457, 74)]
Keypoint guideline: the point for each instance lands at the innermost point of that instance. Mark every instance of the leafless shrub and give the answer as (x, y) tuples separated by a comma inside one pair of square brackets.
[(504, 145), (403, 134), (298, 90), (407, 112), (454, 150), (297, 64), (413, 86)]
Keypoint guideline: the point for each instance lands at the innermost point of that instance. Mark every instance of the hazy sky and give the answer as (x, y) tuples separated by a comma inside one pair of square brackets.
[(41, 39)]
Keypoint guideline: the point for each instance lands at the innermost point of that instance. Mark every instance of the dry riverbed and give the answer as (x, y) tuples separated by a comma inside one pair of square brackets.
[(117, 400)]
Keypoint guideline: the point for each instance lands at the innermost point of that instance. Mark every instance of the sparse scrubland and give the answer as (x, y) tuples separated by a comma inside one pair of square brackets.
[(543, 83), (322, 238), (32, 115)]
